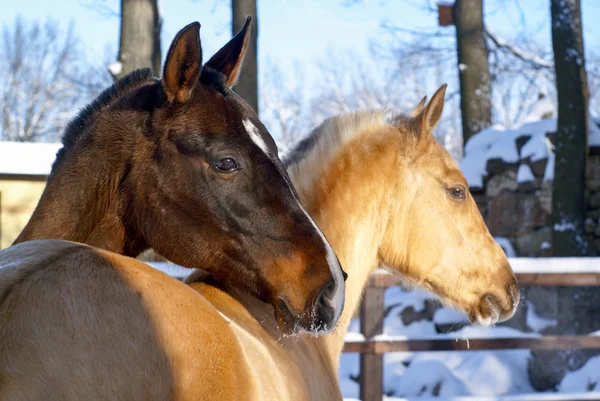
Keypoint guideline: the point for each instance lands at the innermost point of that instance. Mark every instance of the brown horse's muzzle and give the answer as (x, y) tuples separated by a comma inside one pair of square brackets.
[(318, 317)]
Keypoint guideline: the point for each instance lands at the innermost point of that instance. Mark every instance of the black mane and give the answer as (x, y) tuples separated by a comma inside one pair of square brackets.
[(301, 149), (215, 80), (331, 124), (77, 126)]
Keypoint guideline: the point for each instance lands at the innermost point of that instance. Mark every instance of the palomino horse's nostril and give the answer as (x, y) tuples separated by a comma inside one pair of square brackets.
[(514, 295), (345, 275)]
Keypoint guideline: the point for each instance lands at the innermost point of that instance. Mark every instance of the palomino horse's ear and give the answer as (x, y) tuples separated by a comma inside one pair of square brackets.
[(184, 64), (432, 113), (229, 59), (419, 107)]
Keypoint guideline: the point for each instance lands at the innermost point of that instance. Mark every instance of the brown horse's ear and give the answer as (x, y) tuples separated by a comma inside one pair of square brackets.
[(419, 107), (432, 113), (184, 64), (229, 59)]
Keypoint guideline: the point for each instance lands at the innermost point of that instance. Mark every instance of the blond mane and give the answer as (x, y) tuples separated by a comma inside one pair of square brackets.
[(312, 155)]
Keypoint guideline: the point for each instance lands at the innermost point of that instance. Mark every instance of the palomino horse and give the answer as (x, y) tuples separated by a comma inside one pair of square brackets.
[(383, 190), (183, 165)]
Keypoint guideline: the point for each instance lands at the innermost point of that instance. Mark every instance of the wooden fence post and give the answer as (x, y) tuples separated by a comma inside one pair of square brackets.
[(371, 324)]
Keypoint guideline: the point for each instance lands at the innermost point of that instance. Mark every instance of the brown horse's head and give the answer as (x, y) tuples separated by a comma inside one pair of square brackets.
[(184, 166), (436, 236)]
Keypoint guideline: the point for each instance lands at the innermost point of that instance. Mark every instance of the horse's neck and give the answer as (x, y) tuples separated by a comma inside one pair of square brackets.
[(358, 255), (353, 218), (356, 242), (80, 203)]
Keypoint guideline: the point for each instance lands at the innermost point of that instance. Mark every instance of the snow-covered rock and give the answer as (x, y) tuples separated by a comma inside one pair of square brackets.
[(536, 322), (499, 144), (426, 378), (585, 379), (524, 174)]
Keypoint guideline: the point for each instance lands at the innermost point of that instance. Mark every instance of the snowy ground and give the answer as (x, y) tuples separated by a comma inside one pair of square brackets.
[(440, 373), (451, 374)]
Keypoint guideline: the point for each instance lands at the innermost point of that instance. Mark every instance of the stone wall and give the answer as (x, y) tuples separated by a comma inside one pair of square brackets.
[(521, 209), (515, 199)]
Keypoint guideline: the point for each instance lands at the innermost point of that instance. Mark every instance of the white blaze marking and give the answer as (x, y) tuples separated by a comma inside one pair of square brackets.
[(337, 303), (255, 136)]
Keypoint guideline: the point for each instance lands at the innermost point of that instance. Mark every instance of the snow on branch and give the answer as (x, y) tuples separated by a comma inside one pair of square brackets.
[(536, 61)]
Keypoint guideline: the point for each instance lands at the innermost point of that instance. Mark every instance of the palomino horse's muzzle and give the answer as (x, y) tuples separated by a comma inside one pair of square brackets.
[(498, 308)]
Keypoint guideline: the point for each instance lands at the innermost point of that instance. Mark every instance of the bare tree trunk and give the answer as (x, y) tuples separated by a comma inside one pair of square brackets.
[(139, 44), (578, 308), (247, 86), (157, 29), (568, 237), (473, 67)]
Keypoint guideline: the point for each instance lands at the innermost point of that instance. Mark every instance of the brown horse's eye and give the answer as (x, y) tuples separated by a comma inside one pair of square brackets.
[(457, 192), (226, 165)]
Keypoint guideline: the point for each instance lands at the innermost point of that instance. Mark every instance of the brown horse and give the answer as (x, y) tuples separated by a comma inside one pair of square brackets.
[(184, 166), (383, 190)]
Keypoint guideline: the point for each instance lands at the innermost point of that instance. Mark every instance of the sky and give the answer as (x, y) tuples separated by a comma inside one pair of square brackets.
[(291, 30)]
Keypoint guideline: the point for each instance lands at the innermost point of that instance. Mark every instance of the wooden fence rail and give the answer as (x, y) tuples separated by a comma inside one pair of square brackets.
[(374, 346)]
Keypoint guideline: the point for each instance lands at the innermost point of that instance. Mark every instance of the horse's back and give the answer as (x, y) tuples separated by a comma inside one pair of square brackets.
[(81, 323)]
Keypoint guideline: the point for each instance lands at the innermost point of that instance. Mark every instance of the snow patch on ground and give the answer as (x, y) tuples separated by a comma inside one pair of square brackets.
[(505, 243), (449, 316), (349, 369), (585, 379), (536, 322), (424, 378), (172, 269), (404, 298)]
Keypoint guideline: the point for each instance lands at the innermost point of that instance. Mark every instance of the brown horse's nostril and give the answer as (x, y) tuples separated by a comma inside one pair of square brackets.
[(324, 307), (327, 292)]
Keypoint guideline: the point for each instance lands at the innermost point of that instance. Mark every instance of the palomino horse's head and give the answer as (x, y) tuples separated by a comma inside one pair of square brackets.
[(436, 236), (201, 183)]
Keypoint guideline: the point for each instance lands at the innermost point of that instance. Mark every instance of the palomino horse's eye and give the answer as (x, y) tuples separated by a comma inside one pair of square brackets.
[(457, 192), (226, 165)]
